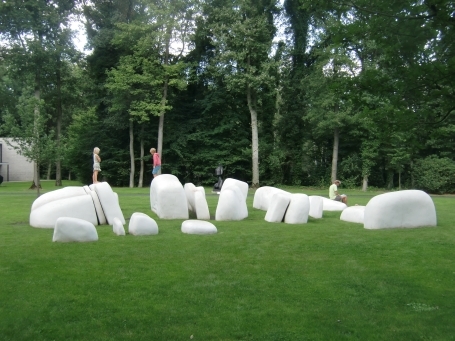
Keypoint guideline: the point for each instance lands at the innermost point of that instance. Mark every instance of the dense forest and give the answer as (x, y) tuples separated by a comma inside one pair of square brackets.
[(297, 92)]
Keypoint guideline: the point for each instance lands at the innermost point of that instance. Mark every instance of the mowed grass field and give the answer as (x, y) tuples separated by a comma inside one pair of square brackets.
[(253, 280)]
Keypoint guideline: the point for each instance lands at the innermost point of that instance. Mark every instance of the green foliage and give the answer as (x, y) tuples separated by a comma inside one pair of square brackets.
[(435, 175)]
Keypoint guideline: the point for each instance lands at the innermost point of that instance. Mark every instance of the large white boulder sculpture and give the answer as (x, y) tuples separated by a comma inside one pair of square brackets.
[(264, 194), (243, 186), (141, 225), (74, 230), (410, 208), (198, 227), (277, 208), (197, 203), (62, 193), (231, 204), (167, 197), (316, 206), (353, 214), (298, 209)]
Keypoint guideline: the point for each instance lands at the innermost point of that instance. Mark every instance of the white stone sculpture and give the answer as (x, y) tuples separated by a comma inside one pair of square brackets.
[(316, 206), (243, 186), (189, 192), (141, 224), (167, 197), (99, 210), (117, 227), (353, 214), (231, 205), (277, 208), (109, 202), (202, 207), (332, 205), (198, 227), (62, 193), (263, 195), (69, 229), (409, 208), (298, 209)]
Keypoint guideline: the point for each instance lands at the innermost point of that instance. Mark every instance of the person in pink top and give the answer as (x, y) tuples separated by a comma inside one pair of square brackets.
[(156, 162)]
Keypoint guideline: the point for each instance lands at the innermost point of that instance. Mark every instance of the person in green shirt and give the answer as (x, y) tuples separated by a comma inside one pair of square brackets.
[(333, 193)]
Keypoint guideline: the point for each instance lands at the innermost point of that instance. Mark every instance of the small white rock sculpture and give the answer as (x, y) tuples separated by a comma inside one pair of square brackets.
[(69, 229), (353, 214), (264, 194), (316, 206), (198, 227), (332, 205), (197, 203), (243, 186), (109, 202), (298, 209), (277, 208), (117, 227), (409, 208), (231, 205), (141, 225), (167, 197)]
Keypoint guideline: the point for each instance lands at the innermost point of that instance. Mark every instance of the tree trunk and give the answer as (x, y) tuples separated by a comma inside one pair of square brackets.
[(254, 139), (389, 180), (36, 177), (336, 143), (365, 183), (132, 168), (49, 168), (141, 171), (58, 162)]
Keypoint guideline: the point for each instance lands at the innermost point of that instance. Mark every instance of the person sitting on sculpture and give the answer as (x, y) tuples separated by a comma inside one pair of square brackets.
[(333, 193)]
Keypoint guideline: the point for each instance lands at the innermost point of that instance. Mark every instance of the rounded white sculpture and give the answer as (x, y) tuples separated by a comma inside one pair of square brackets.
[(69, 229), (332, 205), (231, 205), (167, 197), (109, 202), (117, 227), (62, 193), (243, 186), (353, 214), (298, 209), (98, 208), (81, 207), (409, 208), (189, 192), (198, 227), (141, 225), (277, 208), (263, 195), (202, 207), (316, 206)]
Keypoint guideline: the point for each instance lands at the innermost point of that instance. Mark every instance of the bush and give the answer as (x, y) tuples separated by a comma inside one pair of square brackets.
[(435, 175)]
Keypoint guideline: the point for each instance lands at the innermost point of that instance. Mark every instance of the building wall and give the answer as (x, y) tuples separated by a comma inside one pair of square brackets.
[(20, 169)]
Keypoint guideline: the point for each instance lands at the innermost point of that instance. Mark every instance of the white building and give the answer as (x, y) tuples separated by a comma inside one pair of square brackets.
[(13, 166)]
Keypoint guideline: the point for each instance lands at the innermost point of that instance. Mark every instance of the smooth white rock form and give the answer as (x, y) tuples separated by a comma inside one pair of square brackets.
[(264, 194), (141, 224), (231, 205), (409, 208), (298, 209), (167, 197), (332, 205), (62, 193), (117, 227), (109, 202), (198, 227), (243, 186), (189, 192), (353, 214), (98, 208), (277, 208), (80, 207), (316, 206), (69, 229), (202, 207), (86, 189)]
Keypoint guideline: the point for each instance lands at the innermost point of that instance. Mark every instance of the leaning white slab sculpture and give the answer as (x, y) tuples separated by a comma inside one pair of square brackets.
[(202, 207), (198, 227), (316, 206), (332, 205), (298, 209), (353, 214), (99, 210), (277, 208), (409, 208), (264, 194), (231, 205), (141, 225), (189, 192), (109, 202), (167, 197), (68, 229), (243, 186)]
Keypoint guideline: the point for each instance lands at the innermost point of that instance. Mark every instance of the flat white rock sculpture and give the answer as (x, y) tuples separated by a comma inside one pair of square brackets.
[(353, 214), (243, 186), (141, 225), (62, 193), (167, 197), (298, 209), (332, 205), (81, 207), (263, 195), (316, 206), (109, 202), (277, 208), (69, 229), (409, 208), (198, 227), (117, 227), (231, 205)]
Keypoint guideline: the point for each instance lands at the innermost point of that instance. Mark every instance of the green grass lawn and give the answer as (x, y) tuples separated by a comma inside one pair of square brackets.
[(253, 280)]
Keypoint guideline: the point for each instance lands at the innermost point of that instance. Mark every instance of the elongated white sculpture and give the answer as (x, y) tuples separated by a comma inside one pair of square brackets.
[(167, 197), (243, 186), (277, 208), (189, 192), (117, 227), (109, 202), (316, 206), (99, 210), (231, 205), (263, 195), (202, 207), (198, 227), (62, 193), (74, 230), (141, 225), (332, 205), (298, 209), (353, 214), (409, 208)]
